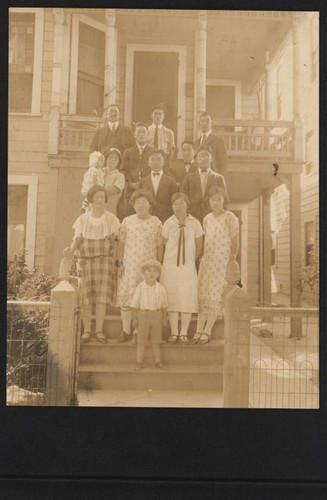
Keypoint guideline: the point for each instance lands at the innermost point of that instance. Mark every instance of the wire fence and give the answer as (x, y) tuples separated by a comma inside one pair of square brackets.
[(27, 350), (284, 358)]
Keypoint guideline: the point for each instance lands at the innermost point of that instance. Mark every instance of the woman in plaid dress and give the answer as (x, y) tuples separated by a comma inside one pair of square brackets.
[(95, 233)]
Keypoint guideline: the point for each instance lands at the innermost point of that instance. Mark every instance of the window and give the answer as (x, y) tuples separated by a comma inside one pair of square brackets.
[(90, 83), (309, 243), (25, 60), (22, 203), (17, 211), (308, 153), (21, 59)]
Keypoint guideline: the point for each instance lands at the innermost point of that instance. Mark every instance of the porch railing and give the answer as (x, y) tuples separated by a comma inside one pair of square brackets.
[(256, 139), (243, 138)]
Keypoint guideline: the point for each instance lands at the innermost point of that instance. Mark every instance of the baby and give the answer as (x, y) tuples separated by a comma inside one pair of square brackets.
[(93, 175), (149, 310)]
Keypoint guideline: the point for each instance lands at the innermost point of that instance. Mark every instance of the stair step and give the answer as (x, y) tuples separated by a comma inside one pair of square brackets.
[(177, 377), (112, 327), (113, 353), (148, 398)]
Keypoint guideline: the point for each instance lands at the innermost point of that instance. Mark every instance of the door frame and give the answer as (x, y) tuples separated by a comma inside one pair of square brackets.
[(214, 82), (76, 19), (129, 82), (243, 207)]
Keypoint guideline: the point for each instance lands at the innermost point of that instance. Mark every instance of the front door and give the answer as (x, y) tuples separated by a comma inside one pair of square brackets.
[(155, 81)]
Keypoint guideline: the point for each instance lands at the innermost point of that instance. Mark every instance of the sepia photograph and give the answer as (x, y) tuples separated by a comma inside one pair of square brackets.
[(163, 208)]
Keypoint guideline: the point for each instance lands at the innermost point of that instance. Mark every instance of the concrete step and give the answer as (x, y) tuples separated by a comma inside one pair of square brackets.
[(177, 377), (151, 398), (113, 327), (212, 353)]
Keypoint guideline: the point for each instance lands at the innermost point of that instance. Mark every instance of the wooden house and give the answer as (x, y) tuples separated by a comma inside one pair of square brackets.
[(67, 64)]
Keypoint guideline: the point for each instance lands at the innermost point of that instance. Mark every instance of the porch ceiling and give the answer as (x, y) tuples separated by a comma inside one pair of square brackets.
[(236, 47)]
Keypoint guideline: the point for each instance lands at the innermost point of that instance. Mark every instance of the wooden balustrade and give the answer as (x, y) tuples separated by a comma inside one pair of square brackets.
[(256, 139), (243, 138)]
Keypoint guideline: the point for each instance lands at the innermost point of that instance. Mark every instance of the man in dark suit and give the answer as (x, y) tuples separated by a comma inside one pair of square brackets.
[(160, 185), (197, 185), (136, 163), (179, 168), (112, 134), (217, 145)]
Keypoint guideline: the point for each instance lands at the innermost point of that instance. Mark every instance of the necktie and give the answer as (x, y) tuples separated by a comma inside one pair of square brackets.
[(155, 142), (113, 128), (203, 139), (181, 244), (204, 180)]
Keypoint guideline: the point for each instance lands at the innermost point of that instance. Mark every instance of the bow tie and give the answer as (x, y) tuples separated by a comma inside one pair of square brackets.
[(204, 171), (187, 163), (155, 173)]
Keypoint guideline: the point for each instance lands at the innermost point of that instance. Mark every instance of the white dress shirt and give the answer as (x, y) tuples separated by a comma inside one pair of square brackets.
[(113, 124), (204, 178), (156, 180)]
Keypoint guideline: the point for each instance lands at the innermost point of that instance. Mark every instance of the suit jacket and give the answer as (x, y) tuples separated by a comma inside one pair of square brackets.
[(167, 187), (121, 139), (219, 154), (199, 203), (134, 167), (178, 170)]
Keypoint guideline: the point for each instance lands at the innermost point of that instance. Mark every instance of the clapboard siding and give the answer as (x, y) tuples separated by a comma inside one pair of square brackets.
[(28, 143)]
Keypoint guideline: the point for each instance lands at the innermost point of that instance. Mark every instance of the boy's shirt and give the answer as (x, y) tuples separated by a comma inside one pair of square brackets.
[(149, 297)]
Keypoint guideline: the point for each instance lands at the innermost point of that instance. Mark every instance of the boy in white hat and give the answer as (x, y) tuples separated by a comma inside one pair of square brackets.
[(149, 312), (93, 176)]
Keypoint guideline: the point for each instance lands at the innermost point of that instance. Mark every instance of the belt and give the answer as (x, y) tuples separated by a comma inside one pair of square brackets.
[(150, 310)]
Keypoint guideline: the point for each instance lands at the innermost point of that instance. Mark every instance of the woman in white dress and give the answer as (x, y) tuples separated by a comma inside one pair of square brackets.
[(139, 240), (182, 237), (221, 242)]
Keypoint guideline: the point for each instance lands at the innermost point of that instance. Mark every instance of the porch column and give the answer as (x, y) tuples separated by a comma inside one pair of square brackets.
[(295, 249), (270, 104), (300, 83), (58, 46), (266, 197), (110, 59), (200, 68)]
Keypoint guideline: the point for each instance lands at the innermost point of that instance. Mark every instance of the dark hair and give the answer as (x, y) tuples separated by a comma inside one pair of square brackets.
[(203, 148), (216, 190), (141, 193), (177, 196), (157, 151), (205, 113), (158, 106), (107, 151), (93, 190), (187, 141), (140, 124)]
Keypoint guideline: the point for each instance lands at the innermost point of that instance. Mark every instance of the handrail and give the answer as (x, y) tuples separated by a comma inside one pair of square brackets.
[(29, 304), (289, 312)]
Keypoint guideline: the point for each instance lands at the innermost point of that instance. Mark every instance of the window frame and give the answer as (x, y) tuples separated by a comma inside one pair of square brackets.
[(31, 181), (38, 58), (309, 135)]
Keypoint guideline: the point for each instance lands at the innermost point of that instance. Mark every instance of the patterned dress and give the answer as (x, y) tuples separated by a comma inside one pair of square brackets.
[(141, 238), (217, 248), (96, 256), (180, 279)]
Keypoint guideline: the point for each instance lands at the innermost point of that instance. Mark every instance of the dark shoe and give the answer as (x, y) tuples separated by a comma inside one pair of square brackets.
[(86, 337), (138, 367), (160, 366), (123, 337), (101, 338)]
